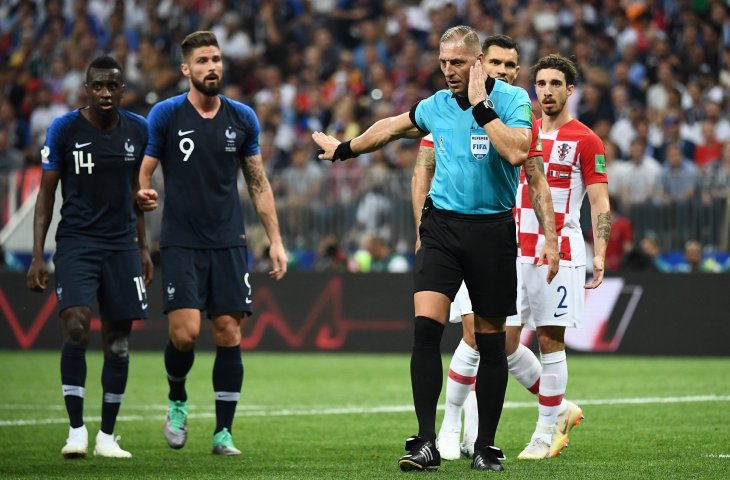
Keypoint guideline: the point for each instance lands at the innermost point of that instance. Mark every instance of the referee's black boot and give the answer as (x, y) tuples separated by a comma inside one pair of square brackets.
[(422, 455), (487, 459)]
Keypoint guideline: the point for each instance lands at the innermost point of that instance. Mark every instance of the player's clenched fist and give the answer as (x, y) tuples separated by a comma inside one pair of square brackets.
[(146, 199)]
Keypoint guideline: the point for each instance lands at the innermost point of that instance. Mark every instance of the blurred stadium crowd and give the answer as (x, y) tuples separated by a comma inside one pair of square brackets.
[(654, 84)]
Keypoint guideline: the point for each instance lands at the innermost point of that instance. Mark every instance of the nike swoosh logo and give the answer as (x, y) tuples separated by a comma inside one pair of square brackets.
[(181, 133), (81, 145), (144, 306), (248, 300), (556, 315)]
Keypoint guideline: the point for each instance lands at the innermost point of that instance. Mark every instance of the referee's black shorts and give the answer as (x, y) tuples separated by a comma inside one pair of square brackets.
[(479, 249)]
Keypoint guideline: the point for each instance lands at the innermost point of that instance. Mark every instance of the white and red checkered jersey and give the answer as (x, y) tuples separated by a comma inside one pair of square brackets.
[(574, 158)]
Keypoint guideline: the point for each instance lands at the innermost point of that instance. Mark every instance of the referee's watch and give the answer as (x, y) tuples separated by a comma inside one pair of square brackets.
[(483, 112)]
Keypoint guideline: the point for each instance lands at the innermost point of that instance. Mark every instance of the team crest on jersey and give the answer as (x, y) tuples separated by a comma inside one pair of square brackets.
[(441, 144), (59, 292), (230, 140), (479, 145), (170, 291), (563, 151), (128, 151)]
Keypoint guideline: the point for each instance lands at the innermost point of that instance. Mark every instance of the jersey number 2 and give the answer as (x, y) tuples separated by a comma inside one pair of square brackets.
[(564, 291)]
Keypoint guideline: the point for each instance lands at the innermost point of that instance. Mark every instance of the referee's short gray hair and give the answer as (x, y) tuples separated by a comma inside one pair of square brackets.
[(464, 33)]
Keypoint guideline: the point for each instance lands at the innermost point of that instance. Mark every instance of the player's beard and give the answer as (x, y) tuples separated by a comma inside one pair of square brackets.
[(209, 90)]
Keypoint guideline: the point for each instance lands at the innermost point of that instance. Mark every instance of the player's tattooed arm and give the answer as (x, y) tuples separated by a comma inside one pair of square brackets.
[(255, 175), (535, 166), (539, 191), (604, 226), (421, 182), (263, 201), (542, 203), (601, 220), (426, 158)]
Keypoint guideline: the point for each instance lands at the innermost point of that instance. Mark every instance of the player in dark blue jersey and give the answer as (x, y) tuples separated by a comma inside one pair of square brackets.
[(481, 132), (101, 251), (201, 139)]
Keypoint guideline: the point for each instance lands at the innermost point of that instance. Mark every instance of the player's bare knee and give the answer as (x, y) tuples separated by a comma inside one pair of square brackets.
[(183, 339), (512, 340), (489, 324), (467, 329), (551, 339), (470, 340), (227, 330), (75, 328), (227, 337)]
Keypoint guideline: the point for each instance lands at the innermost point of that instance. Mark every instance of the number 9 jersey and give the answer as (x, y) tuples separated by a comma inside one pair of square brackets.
[(200, 160)]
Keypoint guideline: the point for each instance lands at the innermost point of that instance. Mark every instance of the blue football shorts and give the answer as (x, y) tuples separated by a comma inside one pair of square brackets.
[(214, 280), (113, 277)]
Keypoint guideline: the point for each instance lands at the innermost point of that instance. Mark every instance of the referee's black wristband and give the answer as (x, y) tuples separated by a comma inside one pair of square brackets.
[(482, 114), (344, 151)]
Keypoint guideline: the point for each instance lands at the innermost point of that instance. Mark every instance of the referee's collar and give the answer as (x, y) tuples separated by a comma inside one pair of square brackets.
[(463, 102)]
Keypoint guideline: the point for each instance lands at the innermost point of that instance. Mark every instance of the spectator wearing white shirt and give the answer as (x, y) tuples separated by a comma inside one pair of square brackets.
[(644, 176), (233, 40)]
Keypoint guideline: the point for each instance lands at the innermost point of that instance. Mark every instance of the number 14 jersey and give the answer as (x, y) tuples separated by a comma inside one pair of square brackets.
[(97, 168)]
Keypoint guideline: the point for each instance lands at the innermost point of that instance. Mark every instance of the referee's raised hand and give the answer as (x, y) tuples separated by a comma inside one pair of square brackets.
[(327, 144)]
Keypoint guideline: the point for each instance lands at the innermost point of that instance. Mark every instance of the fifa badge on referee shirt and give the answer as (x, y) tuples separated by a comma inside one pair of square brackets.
[(479, 145)]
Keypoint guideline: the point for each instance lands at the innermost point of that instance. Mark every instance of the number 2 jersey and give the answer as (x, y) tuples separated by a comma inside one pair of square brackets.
[(574, 158), (97, 168), (200, 160)]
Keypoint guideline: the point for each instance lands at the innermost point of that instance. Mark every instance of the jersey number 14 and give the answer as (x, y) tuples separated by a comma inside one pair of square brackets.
[(80, 163)]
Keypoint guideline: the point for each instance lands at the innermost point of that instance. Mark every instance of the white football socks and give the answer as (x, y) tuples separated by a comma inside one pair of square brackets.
[(462, 375)]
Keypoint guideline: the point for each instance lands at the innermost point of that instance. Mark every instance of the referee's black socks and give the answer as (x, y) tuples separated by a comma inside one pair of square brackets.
[(426, 374), (491, 385)]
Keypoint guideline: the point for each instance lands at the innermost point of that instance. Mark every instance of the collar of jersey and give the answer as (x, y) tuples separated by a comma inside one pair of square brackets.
[(463, 102)]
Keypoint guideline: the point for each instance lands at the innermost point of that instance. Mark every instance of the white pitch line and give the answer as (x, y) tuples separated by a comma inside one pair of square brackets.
[(352, 410)]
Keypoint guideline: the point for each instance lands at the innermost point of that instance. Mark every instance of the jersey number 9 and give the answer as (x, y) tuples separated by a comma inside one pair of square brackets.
[(186, 147)]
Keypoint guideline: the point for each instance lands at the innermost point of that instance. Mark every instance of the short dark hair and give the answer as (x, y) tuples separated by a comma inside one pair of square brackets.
[(558, 62), (201, 38), (503, 41), (104, 62)]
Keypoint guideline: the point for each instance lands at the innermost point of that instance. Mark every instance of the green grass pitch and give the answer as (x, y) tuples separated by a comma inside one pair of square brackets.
[(346, 416)]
